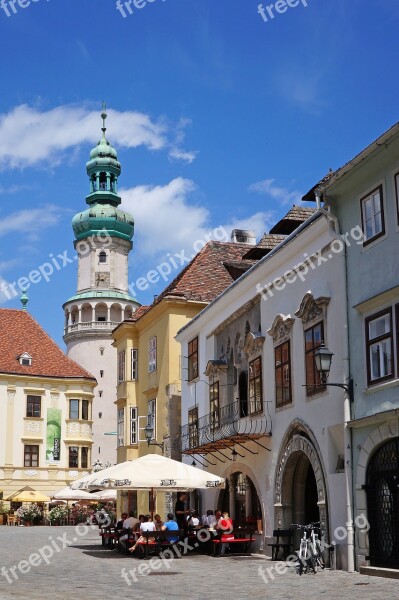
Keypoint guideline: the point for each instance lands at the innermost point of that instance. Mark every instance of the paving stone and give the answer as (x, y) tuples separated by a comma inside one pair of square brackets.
[(80, 569)]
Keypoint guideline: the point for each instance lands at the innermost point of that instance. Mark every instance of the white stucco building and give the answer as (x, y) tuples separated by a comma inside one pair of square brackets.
[(103, 241), (256, 413)]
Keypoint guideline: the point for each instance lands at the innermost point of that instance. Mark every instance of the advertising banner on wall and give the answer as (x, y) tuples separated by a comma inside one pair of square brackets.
[(53, 437)]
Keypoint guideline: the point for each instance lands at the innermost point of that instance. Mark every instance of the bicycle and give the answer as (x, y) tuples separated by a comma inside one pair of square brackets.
[(310, 552)]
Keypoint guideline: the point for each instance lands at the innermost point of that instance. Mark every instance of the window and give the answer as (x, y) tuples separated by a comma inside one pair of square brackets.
[(397, 194), (255, 386), (379, 347), (121, 427), (101, 373), (73, 457), (102, 257), (134, 364), (121, 366), (133, 425), (33, 406), (84, 458), (74, 409), (373, 215), (151, 419), (214, 405), (193, 427), (85, 410), (193, 359), (25, 360), (152, 355), (282, 368), (313, 339), (31, 456)]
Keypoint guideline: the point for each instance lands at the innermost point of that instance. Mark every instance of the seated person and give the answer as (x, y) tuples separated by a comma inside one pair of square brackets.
[(193, 520), (146, 525), (119, 524), (158, 522), (209, 519), (225, 524), (171, 525), (128, 523)]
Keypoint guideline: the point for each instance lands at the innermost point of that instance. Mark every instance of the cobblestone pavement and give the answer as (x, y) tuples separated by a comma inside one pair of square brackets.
[(80, 569)]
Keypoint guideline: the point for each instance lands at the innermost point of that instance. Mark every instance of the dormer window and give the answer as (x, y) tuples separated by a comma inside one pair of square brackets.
[(25, 359)]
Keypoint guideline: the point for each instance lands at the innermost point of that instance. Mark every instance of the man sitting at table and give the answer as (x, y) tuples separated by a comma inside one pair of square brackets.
[(128, 523), (171, 525)]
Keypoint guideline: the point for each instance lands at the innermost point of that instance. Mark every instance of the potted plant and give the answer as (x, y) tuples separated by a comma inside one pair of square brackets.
[(28, 514), (4, 510), (57, 514)]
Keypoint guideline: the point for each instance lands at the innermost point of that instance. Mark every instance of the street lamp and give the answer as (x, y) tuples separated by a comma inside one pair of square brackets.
[(149, 434), (323, 358)]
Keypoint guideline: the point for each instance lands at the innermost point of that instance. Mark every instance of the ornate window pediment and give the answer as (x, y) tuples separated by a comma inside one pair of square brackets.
[(253, 343), (281, 328), (214, 367), (312, 308)]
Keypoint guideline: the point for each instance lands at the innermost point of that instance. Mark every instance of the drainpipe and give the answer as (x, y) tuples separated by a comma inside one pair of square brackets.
[(347, 407)]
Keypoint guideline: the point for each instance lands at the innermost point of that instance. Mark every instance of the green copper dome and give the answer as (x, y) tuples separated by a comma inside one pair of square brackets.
[(103, 170), (95, 219)]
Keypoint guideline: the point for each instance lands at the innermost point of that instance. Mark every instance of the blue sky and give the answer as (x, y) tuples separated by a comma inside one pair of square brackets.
[(219, 119)]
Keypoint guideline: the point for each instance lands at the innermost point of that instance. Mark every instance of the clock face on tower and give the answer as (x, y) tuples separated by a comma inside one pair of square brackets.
[(102, 279)]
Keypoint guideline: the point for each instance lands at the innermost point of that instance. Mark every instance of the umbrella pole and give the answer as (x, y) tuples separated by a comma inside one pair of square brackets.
[(152, 504)]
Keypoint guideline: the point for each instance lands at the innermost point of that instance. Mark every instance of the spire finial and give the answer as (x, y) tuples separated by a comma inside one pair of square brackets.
[(24, 299), (104, 116)]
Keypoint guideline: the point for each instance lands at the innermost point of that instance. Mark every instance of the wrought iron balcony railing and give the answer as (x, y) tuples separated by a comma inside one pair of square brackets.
[(232, 423)]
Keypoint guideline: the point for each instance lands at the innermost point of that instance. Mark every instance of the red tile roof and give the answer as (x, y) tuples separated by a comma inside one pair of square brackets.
[(20, 333)]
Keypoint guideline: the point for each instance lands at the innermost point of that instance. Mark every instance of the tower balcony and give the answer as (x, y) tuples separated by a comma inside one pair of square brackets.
[(94, 327)]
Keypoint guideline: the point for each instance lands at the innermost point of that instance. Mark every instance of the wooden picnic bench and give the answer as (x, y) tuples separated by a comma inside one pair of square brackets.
[(284, 543), (163, 540), (242, 540)]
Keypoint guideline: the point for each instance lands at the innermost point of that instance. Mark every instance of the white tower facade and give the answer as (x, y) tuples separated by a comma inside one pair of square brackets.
[(103, 240)]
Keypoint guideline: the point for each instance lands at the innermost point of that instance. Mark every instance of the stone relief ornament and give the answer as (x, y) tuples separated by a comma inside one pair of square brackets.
[(31, 473), (85, 429), (281, 328), (311, 308), (253, 344), (73, 427), (33, 427)]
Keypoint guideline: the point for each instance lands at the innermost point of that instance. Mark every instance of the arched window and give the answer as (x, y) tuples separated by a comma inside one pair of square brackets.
[(102, 257)]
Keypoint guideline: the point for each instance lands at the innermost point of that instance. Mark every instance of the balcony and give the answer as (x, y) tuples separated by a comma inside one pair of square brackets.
[(91, 326), (232, 425)]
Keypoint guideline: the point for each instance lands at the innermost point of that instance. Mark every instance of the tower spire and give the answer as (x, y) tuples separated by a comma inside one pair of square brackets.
[(104, 116)]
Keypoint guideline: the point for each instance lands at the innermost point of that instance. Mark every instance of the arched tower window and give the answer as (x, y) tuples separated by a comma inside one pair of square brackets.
[(102, 257), (103, 181)]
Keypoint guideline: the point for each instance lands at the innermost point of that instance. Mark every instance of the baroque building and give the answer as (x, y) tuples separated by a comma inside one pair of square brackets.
[(45, 409), (103, 240)]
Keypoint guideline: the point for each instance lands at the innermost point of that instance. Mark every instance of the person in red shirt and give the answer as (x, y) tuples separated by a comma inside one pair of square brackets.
[(225, 524)]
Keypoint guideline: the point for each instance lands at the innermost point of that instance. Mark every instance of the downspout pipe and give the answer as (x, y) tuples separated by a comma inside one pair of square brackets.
[(348, 446)]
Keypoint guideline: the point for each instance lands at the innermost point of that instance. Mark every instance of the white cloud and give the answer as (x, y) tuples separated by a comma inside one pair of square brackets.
[(166, 221), (283, 195), (26, 221), (30, 137)]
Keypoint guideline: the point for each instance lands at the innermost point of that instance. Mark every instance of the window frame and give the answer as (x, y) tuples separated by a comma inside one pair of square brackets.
[(134, 428), (214, 405), (86, 465), (193, 427), (134, 364), (279, 373), (368, 196), (73, 455), (315, 387), (29, 400), (31, 453), (253, 379), (192, 359), (85, 410), (121, 366), (371, 342), (152, 354), (120, 427), (152, 416), (70, 409)]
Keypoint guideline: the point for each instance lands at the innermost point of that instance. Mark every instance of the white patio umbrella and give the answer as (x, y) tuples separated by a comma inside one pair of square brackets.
[(104, 495), (69, 494), (150, 472)]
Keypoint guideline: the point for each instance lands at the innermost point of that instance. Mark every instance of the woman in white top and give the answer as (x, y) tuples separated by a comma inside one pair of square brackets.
[(146, 525)]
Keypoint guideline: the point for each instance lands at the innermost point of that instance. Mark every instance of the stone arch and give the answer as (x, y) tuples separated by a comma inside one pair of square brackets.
[(299, 448), (241, 467)]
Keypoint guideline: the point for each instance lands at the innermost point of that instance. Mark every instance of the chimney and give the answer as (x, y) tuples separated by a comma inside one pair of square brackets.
[(243, 236)]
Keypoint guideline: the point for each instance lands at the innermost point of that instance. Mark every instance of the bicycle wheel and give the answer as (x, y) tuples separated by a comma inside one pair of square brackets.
[(319, 555), (311, 563)]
